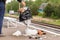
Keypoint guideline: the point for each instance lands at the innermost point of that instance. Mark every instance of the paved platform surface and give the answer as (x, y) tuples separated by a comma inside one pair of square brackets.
[(8, 32)]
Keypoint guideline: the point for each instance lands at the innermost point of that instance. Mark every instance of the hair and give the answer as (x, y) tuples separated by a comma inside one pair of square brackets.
[(19, 1)]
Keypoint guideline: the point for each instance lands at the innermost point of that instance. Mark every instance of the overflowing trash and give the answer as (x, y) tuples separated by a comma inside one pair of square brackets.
[(31, 33)]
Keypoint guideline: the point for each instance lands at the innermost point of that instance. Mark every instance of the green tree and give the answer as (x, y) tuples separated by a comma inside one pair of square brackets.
[(34, 5), (12, 6)]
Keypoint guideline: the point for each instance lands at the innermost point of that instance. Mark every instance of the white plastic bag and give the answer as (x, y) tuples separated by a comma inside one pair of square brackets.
[(31, 32)]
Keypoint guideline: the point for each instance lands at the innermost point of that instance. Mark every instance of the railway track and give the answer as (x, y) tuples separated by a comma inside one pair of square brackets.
[(46, 24)]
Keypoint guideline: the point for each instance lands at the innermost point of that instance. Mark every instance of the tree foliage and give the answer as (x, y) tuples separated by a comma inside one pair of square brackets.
[(12, 6)]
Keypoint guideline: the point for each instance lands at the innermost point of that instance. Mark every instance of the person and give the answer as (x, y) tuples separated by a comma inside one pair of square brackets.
[(25, 15), (2, 11)]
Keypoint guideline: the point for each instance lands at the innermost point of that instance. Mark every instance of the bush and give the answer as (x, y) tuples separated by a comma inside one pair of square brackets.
[(57, 11), (48, 10), (40, 14), (34, 6), (52, 11), (12, 6)]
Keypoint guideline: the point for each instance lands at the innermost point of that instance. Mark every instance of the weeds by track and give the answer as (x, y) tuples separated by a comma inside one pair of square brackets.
[(46, 24)]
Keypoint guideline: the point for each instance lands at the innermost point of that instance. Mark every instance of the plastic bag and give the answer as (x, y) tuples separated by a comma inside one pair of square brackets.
[(31, 32), (17, 33)]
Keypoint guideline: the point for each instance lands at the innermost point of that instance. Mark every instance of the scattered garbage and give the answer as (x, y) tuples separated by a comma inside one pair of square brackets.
[(40, 39), (40, 32), (17, 33), (29, 31)]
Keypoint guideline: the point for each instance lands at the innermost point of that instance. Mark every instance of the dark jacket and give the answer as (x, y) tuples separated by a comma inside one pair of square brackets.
[(25, 15)]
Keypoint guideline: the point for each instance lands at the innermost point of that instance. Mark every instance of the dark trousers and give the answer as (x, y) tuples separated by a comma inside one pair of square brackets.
[(2, 10)]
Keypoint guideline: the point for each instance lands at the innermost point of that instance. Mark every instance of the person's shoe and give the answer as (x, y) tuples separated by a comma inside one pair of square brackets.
[(2, 35)]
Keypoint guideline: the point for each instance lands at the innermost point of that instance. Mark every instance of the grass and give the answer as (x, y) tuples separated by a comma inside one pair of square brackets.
[(57, 22), (54, 22), (50, 21), (9, 15)]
